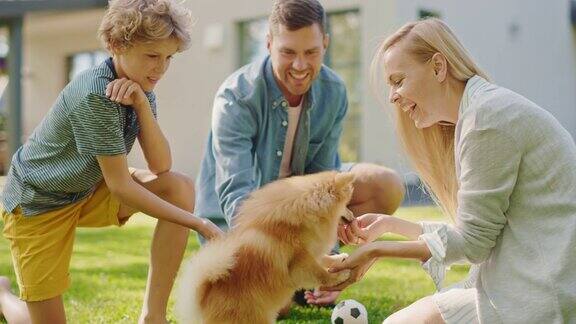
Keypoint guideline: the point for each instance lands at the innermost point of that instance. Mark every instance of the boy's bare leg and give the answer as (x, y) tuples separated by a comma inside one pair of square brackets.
[(168, 243), (12, 308), (50, 311)]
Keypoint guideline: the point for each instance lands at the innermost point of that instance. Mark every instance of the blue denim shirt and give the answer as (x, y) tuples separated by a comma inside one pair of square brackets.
[(246, 142)]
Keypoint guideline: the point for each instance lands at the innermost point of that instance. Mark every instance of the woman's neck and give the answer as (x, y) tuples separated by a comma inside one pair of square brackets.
[(454, 95)]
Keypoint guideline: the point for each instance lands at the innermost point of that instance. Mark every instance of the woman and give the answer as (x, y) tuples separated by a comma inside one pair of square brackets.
[(73, 171), (501, 166)]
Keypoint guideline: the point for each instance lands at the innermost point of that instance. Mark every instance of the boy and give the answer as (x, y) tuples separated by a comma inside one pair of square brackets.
[(73, 170)]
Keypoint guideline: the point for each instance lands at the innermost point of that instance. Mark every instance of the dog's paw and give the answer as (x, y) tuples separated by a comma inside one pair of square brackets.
[(339, 258), (334, 260), (339, 277)]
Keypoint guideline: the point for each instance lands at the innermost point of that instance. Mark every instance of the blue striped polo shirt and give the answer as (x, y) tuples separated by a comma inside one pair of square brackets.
[(57, 166)]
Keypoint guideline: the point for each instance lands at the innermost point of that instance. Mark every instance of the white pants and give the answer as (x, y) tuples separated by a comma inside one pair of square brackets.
[(457, 305)]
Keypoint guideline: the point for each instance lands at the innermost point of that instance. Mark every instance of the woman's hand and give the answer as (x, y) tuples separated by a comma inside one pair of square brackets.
[(364, 229), (126, 92), (358, 263)]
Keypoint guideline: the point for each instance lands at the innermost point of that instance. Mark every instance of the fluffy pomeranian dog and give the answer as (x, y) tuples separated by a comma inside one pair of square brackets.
[(279, 245)]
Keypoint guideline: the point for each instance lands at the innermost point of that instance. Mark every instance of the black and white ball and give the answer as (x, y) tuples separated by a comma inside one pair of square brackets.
[(349, 311)]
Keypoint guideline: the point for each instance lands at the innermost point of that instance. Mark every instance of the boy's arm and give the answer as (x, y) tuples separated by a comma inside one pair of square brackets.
[(153, 142), (129, 192), (154, 145)]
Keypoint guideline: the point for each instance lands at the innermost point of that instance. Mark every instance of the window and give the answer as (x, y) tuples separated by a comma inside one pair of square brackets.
[(81, 61), (253, 40), (4, 48), (425, 13), (343, 56), (3, 51)]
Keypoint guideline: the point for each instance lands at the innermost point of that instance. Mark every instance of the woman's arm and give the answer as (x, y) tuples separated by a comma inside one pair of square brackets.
[(393, 249), (369, 227), (402, 227), (489, 160), (362, 259)]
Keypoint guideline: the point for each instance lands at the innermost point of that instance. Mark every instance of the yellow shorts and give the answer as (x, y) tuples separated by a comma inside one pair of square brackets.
[(41, 245)]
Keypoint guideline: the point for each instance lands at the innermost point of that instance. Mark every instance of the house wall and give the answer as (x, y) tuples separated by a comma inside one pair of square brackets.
[(528, 46)]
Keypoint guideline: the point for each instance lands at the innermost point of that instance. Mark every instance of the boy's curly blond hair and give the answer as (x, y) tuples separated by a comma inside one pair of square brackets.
[(129, 21)]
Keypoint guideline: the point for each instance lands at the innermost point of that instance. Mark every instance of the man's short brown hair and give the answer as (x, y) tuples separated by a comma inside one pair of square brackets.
[(296, 14)]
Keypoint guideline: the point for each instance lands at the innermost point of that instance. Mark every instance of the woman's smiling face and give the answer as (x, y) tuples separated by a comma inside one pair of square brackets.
[(414, 87)]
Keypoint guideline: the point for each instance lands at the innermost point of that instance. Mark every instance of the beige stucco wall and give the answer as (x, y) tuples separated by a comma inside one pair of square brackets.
[(201, 70), (528, 46), (186, 93), (49, 38)]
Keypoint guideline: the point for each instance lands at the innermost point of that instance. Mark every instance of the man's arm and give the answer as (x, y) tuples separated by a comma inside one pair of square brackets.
[(233, 129)]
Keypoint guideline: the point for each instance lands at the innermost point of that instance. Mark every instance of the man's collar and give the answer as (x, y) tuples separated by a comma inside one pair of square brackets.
[(276, 97)]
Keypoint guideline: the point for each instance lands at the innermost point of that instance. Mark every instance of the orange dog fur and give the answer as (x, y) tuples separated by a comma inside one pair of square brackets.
[(279, 245)]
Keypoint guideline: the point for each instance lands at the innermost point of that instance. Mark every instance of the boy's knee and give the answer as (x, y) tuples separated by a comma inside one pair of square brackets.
[(177, 184)]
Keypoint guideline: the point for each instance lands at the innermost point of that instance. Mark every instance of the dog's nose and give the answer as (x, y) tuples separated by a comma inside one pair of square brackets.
[(348, 216)]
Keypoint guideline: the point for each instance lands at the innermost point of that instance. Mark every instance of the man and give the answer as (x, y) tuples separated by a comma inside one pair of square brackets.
[(280, 117)]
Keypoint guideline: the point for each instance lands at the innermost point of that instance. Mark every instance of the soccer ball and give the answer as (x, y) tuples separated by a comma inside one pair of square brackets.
[(349, 312)]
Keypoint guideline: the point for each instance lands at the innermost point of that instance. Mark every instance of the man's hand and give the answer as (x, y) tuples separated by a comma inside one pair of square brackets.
[(321, 297)]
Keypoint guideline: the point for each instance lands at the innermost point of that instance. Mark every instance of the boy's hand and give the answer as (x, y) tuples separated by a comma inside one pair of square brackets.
[(209, 230), (126, 92)]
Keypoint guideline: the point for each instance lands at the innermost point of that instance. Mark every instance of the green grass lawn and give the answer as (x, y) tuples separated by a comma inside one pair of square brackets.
[(109, 267)]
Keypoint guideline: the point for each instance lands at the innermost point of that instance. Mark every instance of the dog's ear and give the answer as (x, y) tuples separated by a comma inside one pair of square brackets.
[(320, 198), (343, 179), (326, 193)]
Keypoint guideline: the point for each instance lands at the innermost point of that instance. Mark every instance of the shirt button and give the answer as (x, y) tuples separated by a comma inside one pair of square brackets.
[(284, 123), (274, 103), (279, 153), (284, 104)]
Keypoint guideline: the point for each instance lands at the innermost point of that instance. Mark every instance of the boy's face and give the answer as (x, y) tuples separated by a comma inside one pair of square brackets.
[(297, 57), (146, 62)]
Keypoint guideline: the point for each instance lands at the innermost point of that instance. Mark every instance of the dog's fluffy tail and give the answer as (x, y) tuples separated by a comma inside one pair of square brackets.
[(211, 263)]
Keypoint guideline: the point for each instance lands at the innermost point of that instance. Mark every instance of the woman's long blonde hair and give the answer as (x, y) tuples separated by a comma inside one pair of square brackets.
[(430, 150)]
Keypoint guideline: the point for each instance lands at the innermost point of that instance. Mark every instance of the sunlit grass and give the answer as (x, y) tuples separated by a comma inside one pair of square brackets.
[(109, 268)]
